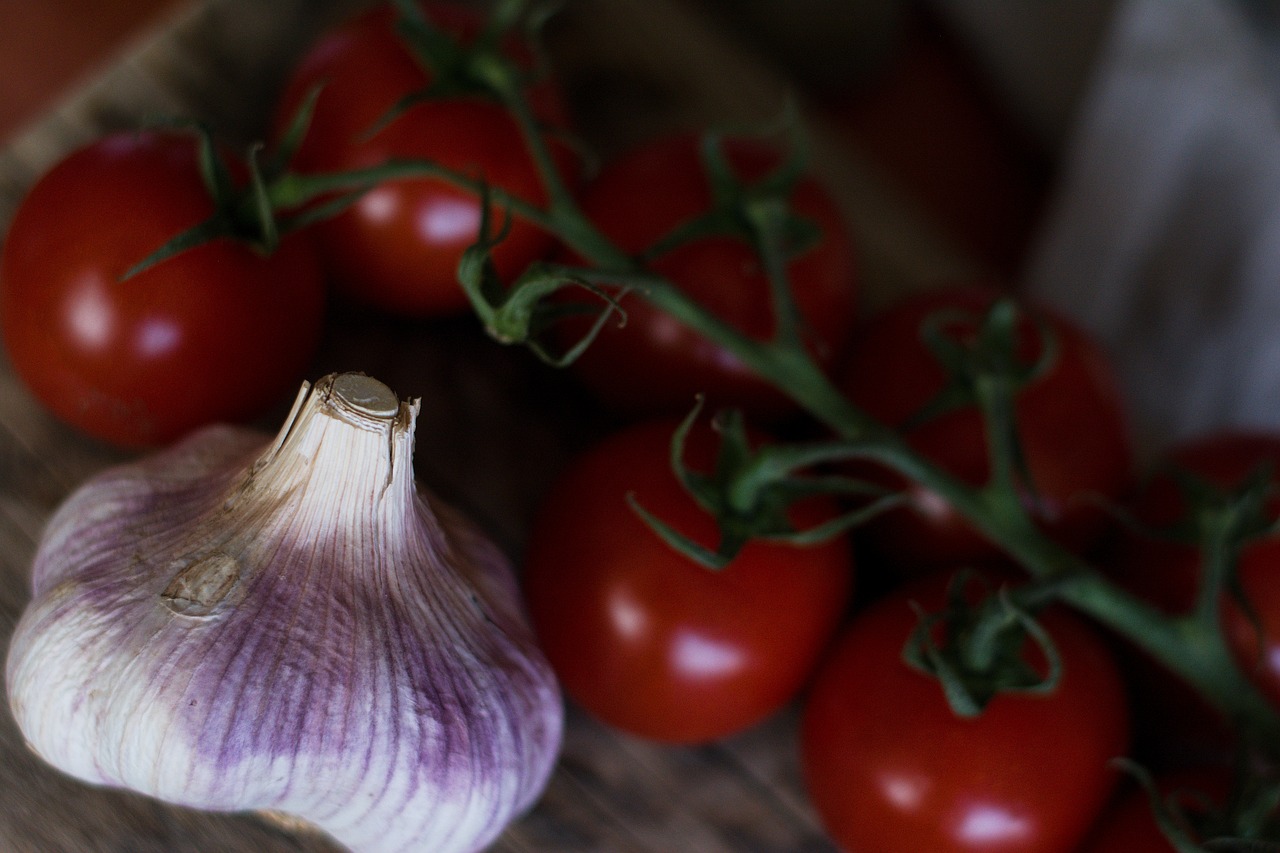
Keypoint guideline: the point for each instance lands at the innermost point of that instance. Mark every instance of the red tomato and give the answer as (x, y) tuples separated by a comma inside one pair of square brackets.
[(215, 333), (890, 767), (651, 642), (1072, 425), (655, 363), (1168, 573), (398, 246)]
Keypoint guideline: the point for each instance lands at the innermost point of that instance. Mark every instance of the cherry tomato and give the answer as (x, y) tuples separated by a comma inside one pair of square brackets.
[(398, 246), (651, 642), (1167, 573), (890, 767), (218, 332), (654, 363), (1071, 422)]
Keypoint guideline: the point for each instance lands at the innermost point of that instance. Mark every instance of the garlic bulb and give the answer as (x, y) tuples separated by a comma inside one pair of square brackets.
[(292, 628)]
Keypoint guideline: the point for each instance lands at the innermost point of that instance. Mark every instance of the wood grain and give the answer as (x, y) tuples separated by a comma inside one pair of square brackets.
[(495, 427)]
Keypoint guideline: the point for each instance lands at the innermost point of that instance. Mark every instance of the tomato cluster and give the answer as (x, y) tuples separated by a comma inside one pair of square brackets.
[(398, 246), (220, 331), (628, 620), (644, 636)]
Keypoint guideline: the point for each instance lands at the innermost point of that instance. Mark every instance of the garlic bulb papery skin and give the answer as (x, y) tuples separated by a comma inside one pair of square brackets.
[(291, 627)]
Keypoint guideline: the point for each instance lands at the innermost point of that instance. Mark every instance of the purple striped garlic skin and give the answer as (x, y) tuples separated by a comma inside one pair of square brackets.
[(291, 627)]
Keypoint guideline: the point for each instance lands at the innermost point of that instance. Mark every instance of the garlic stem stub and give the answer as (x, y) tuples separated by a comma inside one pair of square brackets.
[(291, 626)]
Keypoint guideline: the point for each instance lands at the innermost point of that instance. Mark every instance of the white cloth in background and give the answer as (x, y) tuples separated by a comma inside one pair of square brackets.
[(1163, 237)]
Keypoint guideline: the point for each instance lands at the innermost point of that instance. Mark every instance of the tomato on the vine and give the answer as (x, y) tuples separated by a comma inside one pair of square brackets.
[(648, 640), (215, 333), (655, 363), (1167, 572), (1071, 422), (889, 765), (398, 246)]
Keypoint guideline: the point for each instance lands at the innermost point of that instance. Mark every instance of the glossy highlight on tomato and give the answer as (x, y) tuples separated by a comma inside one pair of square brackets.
[(651, 642), (655, 363), (398, 247), (1072, 425), (215, 333), (890, 767)]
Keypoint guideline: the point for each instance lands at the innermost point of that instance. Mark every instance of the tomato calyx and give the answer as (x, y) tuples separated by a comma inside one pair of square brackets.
[(1221, 522), (273, 201), (478, 67), (756, 211), (1235, 515), (986, 364), (1226, 522), (750, 491), (1194, 820), (982, 356), (978, 649), (241, 212)]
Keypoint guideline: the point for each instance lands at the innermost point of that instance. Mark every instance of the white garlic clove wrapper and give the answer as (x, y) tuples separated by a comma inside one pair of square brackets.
[(292, 627)]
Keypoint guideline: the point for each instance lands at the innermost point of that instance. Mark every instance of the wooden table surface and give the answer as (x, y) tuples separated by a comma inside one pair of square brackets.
[(47, 48), (495, 428)]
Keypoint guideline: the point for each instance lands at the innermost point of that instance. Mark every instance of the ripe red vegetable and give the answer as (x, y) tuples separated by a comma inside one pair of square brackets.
[(646, 639), (889, 766), (216, 333)]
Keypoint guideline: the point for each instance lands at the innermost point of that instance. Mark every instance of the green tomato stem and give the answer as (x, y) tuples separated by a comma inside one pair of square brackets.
[(1191, 647), (292, 191), (768, 223)]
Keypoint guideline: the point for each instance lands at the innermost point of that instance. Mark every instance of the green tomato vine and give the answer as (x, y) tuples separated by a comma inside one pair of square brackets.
[(1191, 646)]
